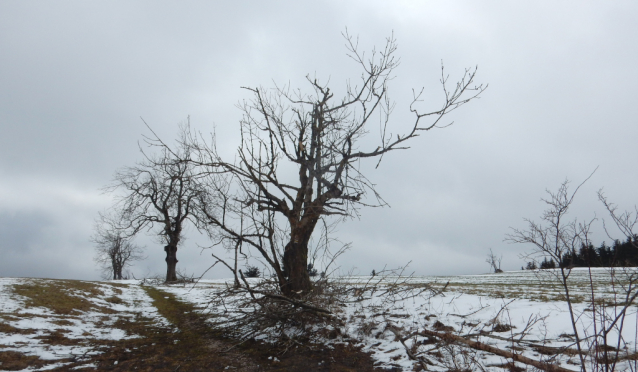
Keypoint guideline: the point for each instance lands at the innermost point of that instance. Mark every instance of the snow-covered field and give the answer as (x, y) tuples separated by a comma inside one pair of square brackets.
[(527, 306), (522, 312)]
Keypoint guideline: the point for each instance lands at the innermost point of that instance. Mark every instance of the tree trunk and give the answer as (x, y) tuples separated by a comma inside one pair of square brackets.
[(114, 270), (296, 268), (171, 262), (118, 272), (295, 258)]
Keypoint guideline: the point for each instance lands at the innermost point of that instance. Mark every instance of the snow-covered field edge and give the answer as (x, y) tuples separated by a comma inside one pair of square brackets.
[(520, 312)]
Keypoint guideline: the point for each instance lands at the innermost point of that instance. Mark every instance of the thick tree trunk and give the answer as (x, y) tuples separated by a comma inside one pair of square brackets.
[(295, 258), (171, 262), (296, 268)]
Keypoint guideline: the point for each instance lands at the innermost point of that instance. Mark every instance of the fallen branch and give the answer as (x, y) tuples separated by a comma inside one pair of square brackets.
[(472, 313), (411, 355), (491, 349)]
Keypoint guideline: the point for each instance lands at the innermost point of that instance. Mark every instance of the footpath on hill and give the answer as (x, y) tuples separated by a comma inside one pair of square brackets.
[(193, 346), (46, 325)]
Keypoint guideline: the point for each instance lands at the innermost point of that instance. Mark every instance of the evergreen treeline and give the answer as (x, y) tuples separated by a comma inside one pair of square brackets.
[(621, 254), (624, 254)]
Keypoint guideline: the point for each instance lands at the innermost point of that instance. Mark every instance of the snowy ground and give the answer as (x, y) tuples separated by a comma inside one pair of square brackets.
[(527, 306), (83, 311), (496, 308)]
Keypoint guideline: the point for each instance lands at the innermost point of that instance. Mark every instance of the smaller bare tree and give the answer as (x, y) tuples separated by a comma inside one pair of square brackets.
[(624, 282), (114, 252), (555, 237), (494, 261), (558, 238), (159, 195)]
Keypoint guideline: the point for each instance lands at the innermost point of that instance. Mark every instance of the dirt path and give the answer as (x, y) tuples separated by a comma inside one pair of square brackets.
[(187, 346), (190, 345)]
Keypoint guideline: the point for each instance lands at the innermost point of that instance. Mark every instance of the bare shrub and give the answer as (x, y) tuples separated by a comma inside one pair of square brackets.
[(598, 330)]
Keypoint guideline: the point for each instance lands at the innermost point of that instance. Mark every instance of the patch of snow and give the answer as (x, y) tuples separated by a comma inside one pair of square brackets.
[(91, 325), (486, 304)]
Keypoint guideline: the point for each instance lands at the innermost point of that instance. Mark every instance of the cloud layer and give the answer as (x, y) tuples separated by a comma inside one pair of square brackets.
[(75, 78)]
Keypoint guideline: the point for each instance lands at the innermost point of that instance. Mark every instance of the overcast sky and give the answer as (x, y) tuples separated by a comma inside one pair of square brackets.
[(76, 76)]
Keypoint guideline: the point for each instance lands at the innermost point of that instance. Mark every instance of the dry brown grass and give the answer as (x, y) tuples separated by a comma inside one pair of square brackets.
[(62, 322), (6, 328), (14, 361), (114, 300), (63, 297), (57, 337)]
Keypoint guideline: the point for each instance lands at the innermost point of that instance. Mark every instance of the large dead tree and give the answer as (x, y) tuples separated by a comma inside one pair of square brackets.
[(319, 140), (159, 192)]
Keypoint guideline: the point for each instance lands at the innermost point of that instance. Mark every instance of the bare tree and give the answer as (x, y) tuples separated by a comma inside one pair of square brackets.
[(114, 252), (494, 261), (159, 192), (319, 140), (601, 340), (624, 284), (557, 237)]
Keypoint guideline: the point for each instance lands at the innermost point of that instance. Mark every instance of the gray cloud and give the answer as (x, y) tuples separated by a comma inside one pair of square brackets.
[(75, 77), (20, 231)]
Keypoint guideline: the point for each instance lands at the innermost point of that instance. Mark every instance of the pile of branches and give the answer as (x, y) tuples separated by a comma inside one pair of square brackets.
[(256, 308), (182, 279)]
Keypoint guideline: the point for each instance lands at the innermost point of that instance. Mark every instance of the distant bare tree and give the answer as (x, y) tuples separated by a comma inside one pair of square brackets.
[(494, 261), (160, 191), (114, 252), (319, 141)]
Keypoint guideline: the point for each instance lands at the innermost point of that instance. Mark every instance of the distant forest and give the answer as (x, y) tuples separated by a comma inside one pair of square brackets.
[(621, 254)]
